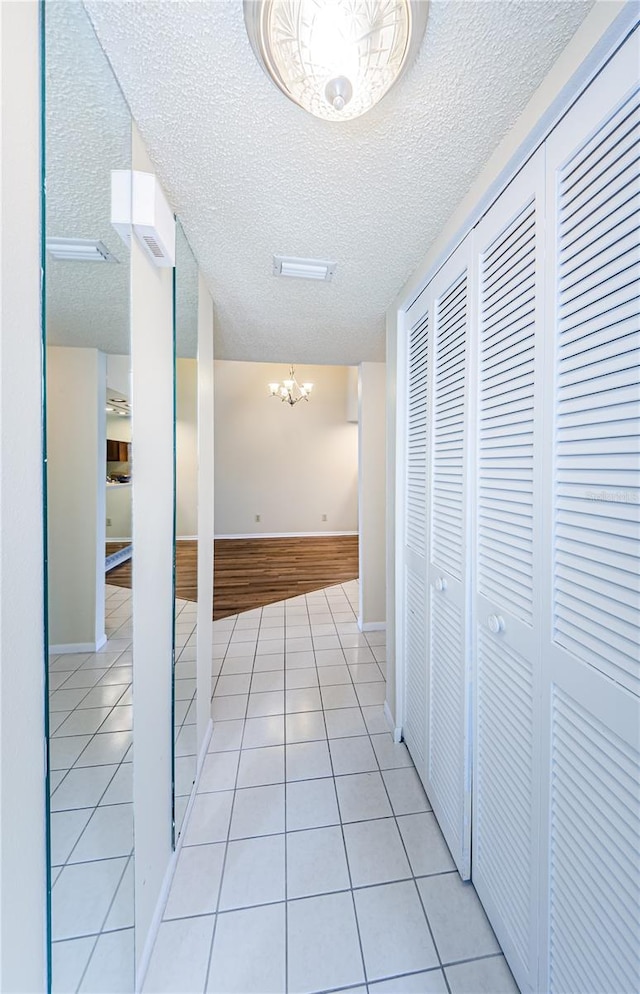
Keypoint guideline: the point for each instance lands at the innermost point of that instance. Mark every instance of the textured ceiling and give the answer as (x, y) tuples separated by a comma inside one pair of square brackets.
[(251, 174), (88, 133)]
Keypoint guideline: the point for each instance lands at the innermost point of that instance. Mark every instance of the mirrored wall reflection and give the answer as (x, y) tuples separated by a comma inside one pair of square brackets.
[(88, 511), (186, 517)]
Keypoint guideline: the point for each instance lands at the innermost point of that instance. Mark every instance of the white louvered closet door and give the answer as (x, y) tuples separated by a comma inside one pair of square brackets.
[(448, 766), (591, 641), (414, 600), (509, 255)]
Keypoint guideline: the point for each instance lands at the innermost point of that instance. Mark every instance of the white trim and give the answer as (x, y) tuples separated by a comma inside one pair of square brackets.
[(70, 647), (286, 535), (141, 970), (372, 626), (395, 730), (186, 538), (118, 538)]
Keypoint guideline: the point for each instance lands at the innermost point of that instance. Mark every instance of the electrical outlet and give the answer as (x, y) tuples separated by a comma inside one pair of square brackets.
[(257, 517), (108, 522), (324, 517)]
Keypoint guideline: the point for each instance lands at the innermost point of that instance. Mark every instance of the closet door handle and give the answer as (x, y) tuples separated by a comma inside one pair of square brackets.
[(496, 623), (441, 583)]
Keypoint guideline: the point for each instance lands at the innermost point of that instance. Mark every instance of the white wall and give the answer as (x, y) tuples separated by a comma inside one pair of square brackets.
[(76, 383), (117, 427), (152, 429), (118, 512), (289, 465), (119, 374), (22, 665), (186, 448), (372, 490), (590, 46)]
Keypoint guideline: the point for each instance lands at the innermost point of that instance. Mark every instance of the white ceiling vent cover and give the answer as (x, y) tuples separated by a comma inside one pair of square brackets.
[(79, 250), (303, 269), (138, 204)]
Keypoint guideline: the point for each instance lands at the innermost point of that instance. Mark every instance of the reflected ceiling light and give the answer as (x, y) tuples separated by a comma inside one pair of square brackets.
[(79, 250), (335, 58), (290, 391)]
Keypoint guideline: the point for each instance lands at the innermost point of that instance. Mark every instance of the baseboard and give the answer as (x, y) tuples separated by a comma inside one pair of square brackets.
[(156, 921), (395, 731), (186, 538), (286, 535), (372, 626), (68, 648)]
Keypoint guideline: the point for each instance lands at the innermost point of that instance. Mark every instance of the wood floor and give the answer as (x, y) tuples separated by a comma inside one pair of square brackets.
[(250, 573)]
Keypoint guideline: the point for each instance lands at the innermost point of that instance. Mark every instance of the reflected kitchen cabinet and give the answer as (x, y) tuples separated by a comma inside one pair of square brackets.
[(118, 451)]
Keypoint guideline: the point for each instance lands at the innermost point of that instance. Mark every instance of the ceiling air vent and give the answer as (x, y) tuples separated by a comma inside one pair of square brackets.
[(79, 250), (303, 269)]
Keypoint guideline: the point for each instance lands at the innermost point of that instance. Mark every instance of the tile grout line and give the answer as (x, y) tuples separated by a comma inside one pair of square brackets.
[(226, 845), (306, 897), (286, 848), (344, 842), (395, 818)]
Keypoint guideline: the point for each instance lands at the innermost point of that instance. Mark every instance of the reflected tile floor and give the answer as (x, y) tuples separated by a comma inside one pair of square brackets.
[(90, 717), (90, 714), (311, 860)]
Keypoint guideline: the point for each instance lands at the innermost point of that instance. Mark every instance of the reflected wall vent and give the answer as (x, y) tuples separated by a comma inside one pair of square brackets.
[(79, 250), (303, 269)]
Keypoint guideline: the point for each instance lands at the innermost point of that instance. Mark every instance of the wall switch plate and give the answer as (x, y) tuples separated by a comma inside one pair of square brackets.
[(108, 522), (257, 517), (324, 517)]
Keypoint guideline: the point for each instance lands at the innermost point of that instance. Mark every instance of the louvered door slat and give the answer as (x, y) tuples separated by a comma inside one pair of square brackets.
[(595, 809), (592, 194), (504, 737), (414, 601), (417, 436), (451, 317), (415, 666), (446, 774), (509, 334), (590, 887)]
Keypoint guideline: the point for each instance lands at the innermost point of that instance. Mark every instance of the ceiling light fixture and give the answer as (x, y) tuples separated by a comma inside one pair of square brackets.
[(335, 58), (79, 250), (290, 391)]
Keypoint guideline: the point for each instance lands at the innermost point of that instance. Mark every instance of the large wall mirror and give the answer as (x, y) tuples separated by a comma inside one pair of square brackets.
[(186, 526), (90, 467)]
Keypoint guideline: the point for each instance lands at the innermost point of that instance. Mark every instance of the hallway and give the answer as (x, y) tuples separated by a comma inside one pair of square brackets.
[(311, 861)]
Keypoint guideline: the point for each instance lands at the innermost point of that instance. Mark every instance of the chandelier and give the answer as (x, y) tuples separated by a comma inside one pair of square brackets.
[(290, 391), (335, 58)]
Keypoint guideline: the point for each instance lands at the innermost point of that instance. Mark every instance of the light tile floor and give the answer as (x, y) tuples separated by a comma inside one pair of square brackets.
[(311, 860), (90, 715)]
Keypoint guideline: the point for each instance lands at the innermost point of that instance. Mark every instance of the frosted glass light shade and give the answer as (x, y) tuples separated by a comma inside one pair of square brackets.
[(335, 58)]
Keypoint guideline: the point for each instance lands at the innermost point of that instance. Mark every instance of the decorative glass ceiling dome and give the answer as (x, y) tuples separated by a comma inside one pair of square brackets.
[(335, 58)]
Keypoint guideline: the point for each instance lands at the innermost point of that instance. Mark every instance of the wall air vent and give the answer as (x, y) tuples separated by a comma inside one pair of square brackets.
[(139, 207), (303, 269), (79, 250)]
